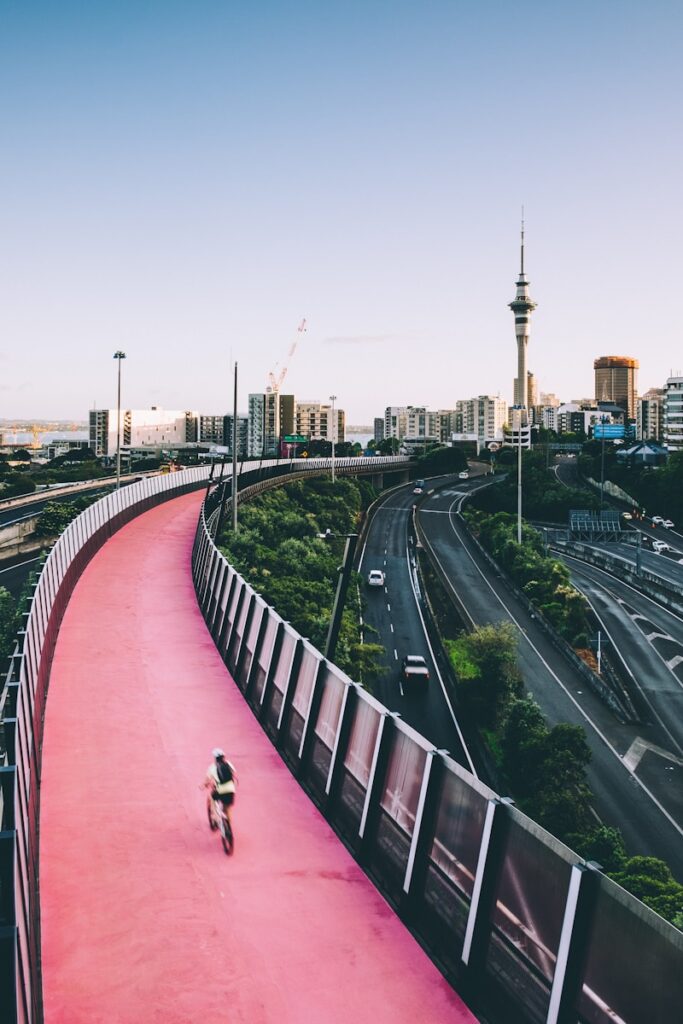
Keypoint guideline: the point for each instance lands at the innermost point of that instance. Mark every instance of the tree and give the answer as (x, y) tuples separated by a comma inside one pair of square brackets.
[(54, 517), (8, 626), (493, 677), (388, 446), (602, 844), (650, 880), (523, 744), (442, 460)]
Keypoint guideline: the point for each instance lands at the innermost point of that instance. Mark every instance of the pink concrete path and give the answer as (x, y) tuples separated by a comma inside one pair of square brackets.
[(144, 919)]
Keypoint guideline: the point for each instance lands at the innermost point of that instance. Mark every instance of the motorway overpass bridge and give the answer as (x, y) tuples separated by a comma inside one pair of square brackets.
[(142, 918)]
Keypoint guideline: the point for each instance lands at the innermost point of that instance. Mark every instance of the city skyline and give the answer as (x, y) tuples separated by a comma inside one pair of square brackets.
[(187, 184)]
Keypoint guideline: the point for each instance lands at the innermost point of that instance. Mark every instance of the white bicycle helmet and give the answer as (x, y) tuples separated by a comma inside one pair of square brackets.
[(217, 752)]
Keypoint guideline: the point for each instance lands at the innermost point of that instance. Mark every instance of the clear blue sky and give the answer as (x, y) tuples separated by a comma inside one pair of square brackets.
[(187, 180)]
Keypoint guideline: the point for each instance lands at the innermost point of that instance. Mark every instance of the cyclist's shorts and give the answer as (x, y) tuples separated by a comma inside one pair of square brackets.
[(227, 799)]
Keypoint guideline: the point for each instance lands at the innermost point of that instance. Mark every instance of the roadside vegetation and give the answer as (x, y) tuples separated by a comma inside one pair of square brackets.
[(279, 551), (544, 768), (658, 489), (544, 580), (55, 516), (545, 498)]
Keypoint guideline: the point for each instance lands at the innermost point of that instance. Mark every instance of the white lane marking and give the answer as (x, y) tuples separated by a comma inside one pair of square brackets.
[(674, 662), (395, 654), (639, 747), (20, 519), (18, 564), (576, 704), (388, 607), (659, 607), (391, 626), (658, 636), (438, 674)]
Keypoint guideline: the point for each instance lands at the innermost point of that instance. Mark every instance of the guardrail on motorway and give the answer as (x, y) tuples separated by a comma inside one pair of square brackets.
[(515, 919), (22, 702)]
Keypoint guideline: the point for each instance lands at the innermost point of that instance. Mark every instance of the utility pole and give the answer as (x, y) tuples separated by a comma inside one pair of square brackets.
[(118, 356), (519, 477), (599, 651), (234, 454), (340, 596), (603, 420), (333, 399)]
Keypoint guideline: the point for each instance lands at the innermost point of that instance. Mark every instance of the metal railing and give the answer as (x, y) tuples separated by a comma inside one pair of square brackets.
[(524, 928), (22, 704)]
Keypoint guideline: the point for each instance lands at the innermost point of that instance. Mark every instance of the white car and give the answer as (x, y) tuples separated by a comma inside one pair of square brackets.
[(464, 475), (659, 546), (375, 578), (658, 520), (667, 524)]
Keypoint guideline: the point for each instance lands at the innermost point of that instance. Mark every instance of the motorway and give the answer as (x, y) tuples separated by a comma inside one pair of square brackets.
[(17, 513), (392, 617), (633, 789), (15, 572), (648, 639)]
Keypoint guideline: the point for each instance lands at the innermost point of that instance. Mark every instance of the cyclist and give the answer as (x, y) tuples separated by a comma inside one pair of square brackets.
[(220, 784)]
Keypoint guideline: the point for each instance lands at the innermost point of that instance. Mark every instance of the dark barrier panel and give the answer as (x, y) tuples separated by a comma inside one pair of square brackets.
[(514, 918)]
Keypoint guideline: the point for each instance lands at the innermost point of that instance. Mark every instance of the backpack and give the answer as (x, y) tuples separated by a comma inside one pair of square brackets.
[(225, 780)]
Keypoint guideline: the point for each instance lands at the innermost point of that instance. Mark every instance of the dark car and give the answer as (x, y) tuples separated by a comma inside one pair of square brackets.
[(414, 672)]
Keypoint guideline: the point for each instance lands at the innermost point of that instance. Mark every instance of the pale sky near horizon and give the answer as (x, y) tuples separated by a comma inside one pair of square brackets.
[(186, 180)]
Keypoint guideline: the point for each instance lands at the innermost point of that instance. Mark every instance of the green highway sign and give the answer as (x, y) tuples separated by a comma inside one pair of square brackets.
[(295, 439)]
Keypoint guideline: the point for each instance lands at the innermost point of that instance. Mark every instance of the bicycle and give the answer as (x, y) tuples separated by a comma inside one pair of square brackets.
[(219, 822)]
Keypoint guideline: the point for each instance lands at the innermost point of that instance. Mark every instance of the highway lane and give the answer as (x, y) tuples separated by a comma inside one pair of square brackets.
[(627, 795), (30, 510), (392, 617), (649, 641), (15, 572)]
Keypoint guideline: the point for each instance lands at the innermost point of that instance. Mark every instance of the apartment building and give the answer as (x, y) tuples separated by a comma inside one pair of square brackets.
[(314, 421), (650, 415), (673, 414), (141, 428)]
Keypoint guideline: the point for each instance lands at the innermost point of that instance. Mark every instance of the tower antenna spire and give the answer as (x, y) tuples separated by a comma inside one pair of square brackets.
[(522, 253)]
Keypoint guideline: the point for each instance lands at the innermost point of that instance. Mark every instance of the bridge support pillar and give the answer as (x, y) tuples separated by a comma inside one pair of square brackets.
[(377, 481)]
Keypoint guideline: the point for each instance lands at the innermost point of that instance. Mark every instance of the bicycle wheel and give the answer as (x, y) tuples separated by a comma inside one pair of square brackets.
[(213, 825), (227, 838)]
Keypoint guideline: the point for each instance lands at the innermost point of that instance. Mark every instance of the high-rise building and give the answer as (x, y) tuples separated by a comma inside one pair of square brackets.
[(141, 428), (410, 422), (673, 414), (314, 420), (650, 415), (522, 306), (481, 418), (616, 381), (379, 429), (271, 416)]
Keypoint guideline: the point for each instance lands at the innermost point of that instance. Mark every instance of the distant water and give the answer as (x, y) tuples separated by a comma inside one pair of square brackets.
[(10, 437)]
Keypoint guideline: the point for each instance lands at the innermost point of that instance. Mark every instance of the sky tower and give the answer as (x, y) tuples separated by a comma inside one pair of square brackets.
[(522, 306)]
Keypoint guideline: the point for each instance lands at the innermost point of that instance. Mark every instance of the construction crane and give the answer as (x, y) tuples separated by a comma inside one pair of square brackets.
[(275, 378)]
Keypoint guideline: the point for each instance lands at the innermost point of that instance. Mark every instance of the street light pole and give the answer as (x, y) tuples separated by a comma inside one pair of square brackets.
[(333, 399), (118, 356), (234, 454), (519, 475), (340, 596)]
